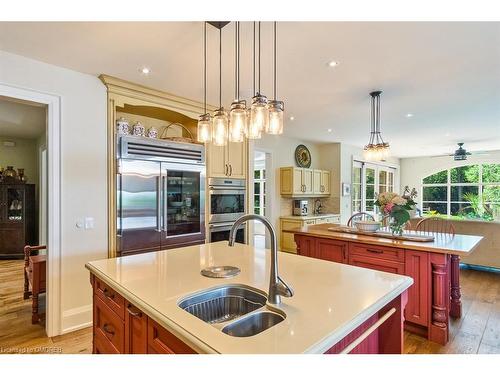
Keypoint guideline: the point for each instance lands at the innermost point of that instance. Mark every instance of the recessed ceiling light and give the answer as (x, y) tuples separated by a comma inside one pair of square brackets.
[(447, 135), (329, 130), (145, 70), (292, 118), (333, 64), (409, 115)]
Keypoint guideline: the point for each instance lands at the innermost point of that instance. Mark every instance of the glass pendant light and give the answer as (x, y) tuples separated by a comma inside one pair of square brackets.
[(259, 113), (238, 112), (275, 107), (220, 119), (204, 132)]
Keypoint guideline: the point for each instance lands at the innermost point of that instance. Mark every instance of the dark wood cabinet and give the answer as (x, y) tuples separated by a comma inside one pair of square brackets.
[(119, 327), (17, 219)]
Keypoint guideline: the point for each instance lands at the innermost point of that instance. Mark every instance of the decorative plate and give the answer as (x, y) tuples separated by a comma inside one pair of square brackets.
[(302, 156)]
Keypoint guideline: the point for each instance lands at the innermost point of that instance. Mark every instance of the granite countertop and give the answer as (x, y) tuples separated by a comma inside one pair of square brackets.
[(330, 299)]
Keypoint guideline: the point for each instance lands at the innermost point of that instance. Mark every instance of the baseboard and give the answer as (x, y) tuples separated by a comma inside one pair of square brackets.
[(77, 318)]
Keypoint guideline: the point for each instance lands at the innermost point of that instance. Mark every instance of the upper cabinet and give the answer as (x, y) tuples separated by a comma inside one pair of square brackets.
[(304, 182), (227, 161)]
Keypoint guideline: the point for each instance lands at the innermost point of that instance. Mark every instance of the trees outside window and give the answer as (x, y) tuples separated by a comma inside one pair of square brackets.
[(470, 192)]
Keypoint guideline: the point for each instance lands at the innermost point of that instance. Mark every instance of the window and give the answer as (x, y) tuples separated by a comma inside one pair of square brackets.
[(470, 191), (259, 191), (369, 180)]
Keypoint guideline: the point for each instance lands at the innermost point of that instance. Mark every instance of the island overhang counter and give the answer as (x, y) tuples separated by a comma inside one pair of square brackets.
[(334, 305), (434, 266)]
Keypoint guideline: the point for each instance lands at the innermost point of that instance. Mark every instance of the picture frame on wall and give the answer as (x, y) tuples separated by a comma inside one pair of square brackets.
[(346, 189)]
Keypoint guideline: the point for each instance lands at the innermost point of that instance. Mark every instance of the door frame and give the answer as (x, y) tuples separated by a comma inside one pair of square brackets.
[(53, 128)]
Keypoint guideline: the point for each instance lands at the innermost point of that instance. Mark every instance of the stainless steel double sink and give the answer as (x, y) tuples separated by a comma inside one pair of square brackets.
[(236, 310)]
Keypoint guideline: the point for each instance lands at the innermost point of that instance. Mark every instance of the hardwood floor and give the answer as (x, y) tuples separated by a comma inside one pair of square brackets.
[(17, 334), (478, 331)]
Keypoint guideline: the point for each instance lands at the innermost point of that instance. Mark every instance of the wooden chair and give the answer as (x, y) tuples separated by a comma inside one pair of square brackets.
[(435, 224), (34, 277), (360, 216)]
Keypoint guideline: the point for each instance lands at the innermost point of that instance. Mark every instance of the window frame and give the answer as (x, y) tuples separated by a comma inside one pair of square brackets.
[(480, 185)]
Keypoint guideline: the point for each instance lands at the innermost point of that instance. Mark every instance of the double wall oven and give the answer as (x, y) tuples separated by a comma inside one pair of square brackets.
[(227, 202), (160, 195)]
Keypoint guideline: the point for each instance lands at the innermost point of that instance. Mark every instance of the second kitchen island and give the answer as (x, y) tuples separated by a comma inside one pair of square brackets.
[(434, 267)]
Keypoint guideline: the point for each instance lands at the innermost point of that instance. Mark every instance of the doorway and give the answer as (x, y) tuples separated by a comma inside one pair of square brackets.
[(261, 202), (47, 181)]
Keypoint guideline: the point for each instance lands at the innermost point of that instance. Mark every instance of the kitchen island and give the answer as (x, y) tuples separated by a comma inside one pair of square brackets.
[(335, 307), (434, 266)]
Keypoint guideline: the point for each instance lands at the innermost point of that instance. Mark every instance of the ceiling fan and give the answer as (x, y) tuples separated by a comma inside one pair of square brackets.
[(461, 153)]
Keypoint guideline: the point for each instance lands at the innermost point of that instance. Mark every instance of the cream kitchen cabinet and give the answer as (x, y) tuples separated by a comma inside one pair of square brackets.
[(227, 161), (303, 182), (287, 242), (321, 182)]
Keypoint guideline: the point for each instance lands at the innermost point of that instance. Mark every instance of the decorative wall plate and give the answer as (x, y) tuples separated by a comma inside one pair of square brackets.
[(302, 156)]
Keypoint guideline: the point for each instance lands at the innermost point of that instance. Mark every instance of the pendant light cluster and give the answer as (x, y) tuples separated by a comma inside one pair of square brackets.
[(376, 149), (263, 115)]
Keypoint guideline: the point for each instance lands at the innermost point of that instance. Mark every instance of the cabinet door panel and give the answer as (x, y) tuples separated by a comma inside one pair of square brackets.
[(136, 328), (217, 160), (307, 180), (306, 246), (161, 341), (377, 264), (317, 186), (334, 251), (108, 326), (237, 159), (298, 184), (417, 267), (326, 182)]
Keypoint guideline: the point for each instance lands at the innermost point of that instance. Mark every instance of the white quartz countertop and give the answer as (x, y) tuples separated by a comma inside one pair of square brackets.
[(330, 299)]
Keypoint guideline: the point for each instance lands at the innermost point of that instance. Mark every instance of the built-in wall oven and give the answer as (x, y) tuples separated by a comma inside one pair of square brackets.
[(160, 195), (227, 202)]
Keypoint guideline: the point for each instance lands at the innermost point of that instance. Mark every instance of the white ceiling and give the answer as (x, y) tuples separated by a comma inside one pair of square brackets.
[(21, 119), (446, 74)]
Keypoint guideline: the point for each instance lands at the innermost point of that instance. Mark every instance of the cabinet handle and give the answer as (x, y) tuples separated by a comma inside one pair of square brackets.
[(134, 311), (108, 294), (375, 251), (230, 169), (344, 252), (226, 169), (106, 329)]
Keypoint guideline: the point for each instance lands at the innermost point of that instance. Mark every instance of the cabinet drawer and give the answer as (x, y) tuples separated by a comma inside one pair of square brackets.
[(377, 264), (112, 299), (103, 346), (161, 341), (108, 327), (380, 252)]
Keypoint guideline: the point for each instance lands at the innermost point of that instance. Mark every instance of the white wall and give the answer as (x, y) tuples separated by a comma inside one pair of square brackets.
[(83, 167)]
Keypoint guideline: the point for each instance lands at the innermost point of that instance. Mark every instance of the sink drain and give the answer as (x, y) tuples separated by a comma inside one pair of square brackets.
[(220, 271)]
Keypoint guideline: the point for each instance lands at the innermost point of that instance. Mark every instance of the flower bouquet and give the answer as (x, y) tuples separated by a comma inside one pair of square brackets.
[(395, 207)]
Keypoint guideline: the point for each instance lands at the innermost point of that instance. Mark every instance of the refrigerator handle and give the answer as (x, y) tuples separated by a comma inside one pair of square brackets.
[(164, 195), (158, 204)]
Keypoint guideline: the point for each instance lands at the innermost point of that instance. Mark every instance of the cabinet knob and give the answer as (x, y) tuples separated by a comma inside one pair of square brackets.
[(108, 330)]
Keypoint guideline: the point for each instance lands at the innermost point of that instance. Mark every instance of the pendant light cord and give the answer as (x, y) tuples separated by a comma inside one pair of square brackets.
[(220, 67), (259, 57), (275, 79), (205, 67), (253, 56)]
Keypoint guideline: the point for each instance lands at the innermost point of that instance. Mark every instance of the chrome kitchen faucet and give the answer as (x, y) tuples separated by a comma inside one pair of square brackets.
[(277, 287)]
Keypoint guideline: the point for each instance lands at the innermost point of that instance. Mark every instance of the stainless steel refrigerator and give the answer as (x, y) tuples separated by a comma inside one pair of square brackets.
[(160, 195)]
